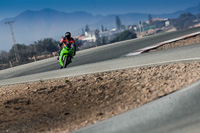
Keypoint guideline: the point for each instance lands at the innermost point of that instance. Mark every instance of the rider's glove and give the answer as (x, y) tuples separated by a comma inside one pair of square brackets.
[(72, 45), (60, 45)]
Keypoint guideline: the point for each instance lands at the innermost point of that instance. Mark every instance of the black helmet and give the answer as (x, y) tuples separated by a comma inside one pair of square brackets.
[(68, 35)]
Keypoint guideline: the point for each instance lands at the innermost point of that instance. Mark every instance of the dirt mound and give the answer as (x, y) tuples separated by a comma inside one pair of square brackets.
[(179, 43)]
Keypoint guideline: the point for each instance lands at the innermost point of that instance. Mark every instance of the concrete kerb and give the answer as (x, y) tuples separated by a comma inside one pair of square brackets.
[(143, 50)]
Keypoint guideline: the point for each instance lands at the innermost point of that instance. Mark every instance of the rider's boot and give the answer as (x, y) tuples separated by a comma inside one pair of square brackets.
[(70, 59), (58, 54)]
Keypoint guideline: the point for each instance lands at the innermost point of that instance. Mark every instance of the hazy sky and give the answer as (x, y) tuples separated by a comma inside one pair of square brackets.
[(11, 8)]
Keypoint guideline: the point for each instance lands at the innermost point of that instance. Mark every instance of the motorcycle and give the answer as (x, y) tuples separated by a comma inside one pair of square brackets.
[(66, 56)]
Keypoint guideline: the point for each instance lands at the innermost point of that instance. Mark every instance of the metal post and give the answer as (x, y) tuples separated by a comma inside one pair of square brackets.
[(34, 58), (10, 63), (14, 40), (140, 29)]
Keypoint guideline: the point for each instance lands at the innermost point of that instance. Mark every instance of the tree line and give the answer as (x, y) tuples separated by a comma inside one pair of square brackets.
[(184, 21), (25, 53)]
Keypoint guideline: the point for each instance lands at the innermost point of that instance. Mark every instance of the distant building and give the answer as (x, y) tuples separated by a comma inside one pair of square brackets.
[(104, 33), (110, 33), (157, 19), (132, 27), (159, 22), (92, 37), (167, 23), (80, 37), (89, 36), (160, 19)]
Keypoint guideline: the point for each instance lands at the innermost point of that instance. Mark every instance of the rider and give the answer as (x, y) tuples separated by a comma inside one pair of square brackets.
[(67, 40)]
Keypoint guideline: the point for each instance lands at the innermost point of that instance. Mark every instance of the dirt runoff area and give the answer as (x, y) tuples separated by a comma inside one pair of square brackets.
[(67, 104), (179, 43)]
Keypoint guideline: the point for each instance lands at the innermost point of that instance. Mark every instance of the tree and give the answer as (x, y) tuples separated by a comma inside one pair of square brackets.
[(123, 27), (50, 45), (79, 43), (45, 46), (87, 29), (41, 47), (118, 23), (184, 21), (106, 29), (124, 36), (12, 54), (83, 32), (102, 28), (23, 54), (150, 19), (97, 36), (104, 40), (4, 57), (96, 33), (198, 17)]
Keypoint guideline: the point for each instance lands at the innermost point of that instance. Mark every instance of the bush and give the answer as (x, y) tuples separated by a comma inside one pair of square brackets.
[(184, 21), (126, 35)]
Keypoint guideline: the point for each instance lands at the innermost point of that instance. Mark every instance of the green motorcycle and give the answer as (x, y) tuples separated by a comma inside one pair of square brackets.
[(66, 56)]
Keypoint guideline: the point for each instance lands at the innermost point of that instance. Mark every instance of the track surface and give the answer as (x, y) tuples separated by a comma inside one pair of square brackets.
[(103, 53), (181, 54)]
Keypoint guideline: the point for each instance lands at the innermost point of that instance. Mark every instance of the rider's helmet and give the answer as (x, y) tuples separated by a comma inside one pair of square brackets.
[(68, 35)]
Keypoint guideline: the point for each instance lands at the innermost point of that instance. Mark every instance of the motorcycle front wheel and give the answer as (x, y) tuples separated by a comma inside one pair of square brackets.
[(66, 61)]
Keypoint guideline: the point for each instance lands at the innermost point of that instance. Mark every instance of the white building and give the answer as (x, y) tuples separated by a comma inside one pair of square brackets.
[(167, 23), (110, 33), (90, 36)]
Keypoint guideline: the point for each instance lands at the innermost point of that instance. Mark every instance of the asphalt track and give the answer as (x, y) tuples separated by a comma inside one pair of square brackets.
[(93, 55), (182, 54)]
